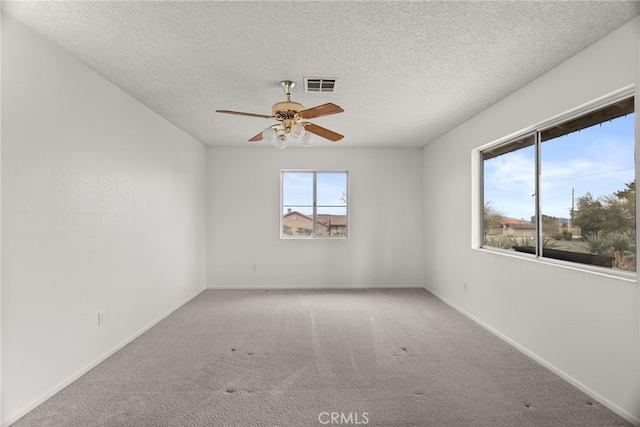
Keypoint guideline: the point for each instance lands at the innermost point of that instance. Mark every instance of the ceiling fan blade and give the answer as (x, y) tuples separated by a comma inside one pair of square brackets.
[(244, 114), (258, 137), (325, 133), (319, 111)]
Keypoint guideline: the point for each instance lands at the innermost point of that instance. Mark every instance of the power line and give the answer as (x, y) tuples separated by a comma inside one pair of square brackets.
[(595, 174)]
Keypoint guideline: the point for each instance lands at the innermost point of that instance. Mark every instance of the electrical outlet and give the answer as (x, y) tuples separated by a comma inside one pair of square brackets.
[(255, 267), (101, 318), (465, 286)]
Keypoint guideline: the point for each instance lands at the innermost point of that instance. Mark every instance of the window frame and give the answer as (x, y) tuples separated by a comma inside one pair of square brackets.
[(314, 234), (477, 238)]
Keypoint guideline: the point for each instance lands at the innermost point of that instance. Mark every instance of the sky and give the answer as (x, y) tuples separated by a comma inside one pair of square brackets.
[(298, 192), (599, 160)]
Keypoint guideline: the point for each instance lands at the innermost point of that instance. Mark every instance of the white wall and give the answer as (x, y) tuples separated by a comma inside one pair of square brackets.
[(584, 326), (103, 208), (0, 224), (385, 202)]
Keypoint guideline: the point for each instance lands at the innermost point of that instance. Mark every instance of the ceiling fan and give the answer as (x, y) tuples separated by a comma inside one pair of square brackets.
[(292, 116)]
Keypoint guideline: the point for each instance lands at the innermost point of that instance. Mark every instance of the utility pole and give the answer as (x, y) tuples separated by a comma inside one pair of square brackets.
[(572, 209)]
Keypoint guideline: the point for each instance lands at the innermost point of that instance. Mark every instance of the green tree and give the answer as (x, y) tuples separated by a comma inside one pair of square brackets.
[(608, 214), (492, 217), (628, 193), (550, 225), (589, 214), (627, 198)]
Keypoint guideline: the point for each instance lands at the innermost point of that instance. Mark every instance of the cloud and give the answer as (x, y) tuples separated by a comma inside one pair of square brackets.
[(511, 171)]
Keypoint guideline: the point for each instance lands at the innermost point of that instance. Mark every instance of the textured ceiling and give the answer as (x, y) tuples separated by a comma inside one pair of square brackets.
[(407, 72)]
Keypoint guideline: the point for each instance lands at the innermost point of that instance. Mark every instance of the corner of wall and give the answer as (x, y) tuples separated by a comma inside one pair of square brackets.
[(1, 15)]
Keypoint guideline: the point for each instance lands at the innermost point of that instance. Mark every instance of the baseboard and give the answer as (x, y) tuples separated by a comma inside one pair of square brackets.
[(313, 286), (580, 386), (37, 402)]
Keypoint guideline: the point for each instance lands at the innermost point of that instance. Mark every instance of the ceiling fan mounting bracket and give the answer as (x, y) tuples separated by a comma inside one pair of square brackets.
[(288, 85)]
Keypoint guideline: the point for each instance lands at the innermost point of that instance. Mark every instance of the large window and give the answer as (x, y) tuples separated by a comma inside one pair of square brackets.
[(314, 204), (566, 190)]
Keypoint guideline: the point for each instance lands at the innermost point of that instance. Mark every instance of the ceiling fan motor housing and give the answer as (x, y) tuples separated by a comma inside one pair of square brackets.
[(286, 110)]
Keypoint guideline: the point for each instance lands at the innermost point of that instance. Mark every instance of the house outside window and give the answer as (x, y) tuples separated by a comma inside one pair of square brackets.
[(314, 204), (566, 189)]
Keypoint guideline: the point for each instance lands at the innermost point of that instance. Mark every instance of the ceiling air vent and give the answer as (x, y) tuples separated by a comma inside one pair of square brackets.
[(319, 85)]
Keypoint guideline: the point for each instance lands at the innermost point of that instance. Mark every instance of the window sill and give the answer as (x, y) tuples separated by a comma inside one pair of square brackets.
[(626, 276), (314, 238)]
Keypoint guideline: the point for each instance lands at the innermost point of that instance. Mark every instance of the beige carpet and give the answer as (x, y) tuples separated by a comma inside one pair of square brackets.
[(319, 357)]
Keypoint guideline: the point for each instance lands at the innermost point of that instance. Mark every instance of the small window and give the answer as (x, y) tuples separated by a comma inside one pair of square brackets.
[(314, 204), (566, 190)]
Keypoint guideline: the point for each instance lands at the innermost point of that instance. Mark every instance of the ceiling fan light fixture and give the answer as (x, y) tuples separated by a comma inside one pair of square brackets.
[(280, 143), (297, 131), (269, 134), (307, 139)]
